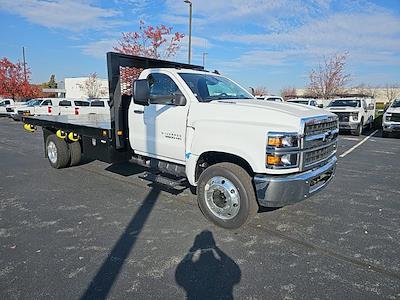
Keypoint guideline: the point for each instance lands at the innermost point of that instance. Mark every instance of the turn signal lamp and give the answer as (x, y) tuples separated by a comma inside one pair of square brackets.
[(73, 137), (29, 127), (61, 134), (273, 160)]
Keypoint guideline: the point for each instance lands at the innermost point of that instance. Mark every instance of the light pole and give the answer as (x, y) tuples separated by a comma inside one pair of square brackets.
[(190, 29)]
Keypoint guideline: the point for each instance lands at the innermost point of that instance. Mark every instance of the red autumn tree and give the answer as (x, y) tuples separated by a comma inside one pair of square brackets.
[(155, 42), (13, 83)]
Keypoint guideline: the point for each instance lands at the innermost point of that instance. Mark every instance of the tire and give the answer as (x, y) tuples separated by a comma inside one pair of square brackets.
[(385, 134), (75, 150), (59, 158), (359, 129), (237, 184)]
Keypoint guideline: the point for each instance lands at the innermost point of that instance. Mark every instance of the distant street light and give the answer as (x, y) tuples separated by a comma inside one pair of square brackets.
[(190, 28), (204, 57)]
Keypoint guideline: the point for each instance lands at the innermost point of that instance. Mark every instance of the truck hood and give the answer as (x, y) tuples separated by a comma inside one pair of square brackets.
[(269, 114), (393, 110), (343, 109)]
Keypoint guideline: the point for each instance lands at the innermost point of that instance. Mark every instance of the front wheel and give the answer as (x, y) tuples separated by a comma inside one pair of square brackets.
[(359, 129), (225, 195)]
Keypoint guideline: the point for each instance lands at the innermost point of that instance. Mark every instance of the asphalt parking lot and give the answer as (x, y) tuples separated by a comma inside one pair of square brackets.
[(97, 231)]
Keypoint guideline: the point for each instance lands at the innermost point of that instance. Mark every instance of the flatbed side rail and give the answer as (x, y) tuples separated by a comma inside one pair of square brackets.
[(95, 132), (120, 101)]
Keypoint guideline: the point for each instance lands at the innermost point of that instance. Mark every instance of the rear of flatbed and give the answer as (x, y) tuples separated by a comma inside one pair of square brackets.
[(94, 133)]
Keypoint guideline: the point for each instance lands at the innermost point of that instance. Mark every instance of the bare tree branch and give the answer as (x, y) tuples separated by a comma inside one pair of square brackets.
[(329, 78)]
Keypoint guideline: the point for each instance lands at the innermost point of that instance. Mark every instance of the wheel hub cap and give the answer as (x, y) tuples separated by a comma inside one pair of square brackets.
[(52, 152), (222, 197)]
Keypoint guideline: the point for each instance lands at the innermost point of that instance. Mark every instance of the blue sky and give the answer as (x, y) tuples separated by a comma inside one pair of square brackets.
[(257, 43)]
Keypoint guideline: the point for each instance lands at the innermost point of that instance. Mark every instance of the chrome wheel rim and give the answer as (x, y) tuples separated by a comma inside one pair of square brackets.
[(222, 197), (52, 152)]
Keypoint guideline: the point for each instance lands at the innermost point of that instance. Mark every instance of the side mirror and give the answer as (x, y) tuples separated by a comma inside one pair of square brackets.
[(179, 99), (141, 92), (320, 106), (371, 106)]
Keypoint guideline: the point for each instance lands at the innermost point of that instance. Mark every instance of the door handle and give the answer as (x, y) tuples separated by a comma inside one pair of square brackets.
[(138, 111)]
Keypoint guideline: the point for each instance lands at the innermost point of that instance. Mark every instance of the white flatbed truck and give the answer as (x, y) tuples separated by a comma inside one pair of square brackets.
[(185, 123)]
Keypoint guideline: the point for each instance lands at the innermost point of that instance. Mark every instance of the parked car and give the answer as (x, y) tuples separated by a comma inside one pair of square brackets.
[(270, 98), (304, 101), (4, 103), (391, 119), (38, 107), (99, 106), (354, 113), (188, 124), (73, 107)]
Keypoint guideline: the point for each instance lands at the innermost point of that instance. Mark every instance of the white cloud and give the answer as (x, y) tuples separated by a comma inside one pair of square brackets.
[(98, 49), (72, 15), (371, 38)]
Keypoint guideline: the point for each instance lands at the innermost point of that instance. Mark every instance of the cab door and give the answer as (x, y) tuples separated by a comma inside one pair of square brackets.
[(158, 130)]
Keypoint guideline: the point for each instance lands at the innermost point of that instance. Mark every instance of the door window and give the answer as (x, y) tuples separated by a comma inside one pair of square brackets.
[(46, 103), (364, 104), (65, 103), (161, 85), (81, 103)]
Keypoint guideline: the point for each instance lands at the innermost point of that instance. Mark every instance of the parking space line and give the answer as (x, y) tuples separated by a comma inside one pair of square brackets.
[(357, 145)]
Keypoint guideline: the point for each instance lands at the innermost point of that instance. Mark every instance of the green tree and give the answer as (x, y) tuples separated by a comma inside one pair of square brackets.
[(51, 84)]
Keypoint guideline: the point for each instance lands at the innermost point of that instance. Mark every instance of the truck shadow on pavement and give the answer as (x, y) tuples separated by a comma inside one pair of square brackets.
[(206, 272), (106, 276)]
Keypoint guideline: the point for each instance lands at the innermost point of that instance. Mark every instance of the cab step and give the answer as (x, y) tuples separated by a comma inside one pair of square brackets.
[(163, 180)]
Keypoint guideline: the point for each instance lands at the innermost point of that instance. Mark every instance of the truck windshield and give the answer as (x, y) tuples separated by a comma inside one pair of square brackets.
[(396, 103), (207, 87), (351, 103), (35, 102)]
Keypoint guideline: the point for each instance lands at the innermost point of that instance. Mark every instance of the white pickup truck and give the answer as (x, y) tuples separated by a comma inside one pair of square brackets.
[(188, 124), (391, 119), (4, 104), (354, 114)]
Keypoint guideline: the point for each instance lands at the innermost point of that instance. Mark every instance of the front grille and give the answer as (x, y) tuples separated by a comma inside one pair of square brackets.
[(314, 156), (319, 141), (343, 116), (314, 127), (395, 118)]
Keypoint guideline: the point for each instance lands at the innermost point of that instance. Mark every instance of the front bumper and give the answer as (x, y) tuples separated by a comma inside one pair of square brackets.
[(278, 191), (348, 125), (391, 127)]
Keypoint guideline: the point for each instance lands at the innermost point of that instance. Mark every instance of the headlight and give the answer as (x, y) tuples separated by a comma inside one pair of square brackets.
[(354, 115), (281, 160), (283, 140), (388, 117), (281, 150)]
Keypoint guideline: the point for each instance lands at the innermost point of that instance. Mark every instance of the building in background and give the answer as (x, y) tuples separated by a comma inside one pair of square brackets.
[(381, 94), (80, 88)]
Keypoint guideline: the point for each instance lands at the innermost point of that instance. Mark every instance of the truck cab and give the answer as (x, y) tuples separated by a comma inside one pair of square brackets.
[(354, 113), (391, 119)]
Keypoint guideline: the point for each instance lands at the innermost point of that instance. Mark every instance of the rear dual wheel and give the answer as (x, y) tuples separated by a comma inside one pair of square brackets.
[(61, 154)]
